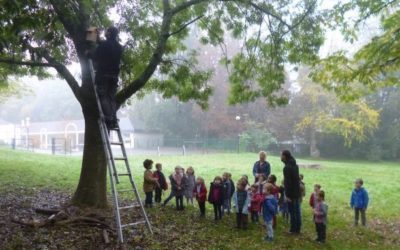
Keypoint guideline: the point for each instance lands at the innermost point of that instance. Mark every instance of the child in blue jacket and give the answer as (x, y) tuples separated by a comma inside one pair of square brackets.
[(359, 202), (241, 201), (269, 210)]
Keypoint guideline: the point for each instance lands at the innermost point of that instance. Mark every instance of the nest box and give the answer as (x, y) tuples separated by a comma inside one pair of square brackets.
[(92, 34)]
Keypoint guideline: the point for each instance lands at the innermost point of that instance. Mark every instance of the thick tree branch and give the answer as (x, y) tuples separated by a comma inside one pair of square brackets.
[(185, 26), (269, 13), (158, 53), (186, 5), (308, 11), (374, 12), (25, 63), (65, 73), (190, 3), (65, 18), (51, 62), (155, 60)]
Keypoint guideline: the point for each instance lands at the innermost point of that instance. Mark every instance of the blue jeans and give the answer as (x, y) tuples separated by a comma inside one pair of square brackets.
[(270, 230), (295, 215), (227, 205)]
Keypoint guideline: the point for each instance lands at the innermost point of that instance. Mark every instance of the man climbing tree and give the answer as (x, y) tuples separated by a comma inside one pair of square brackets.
[(107, 57)]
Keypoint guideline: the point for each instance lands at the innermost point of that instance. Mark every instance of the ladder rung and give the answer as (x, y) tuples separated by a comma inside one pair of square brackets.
[(116, 143), (125, 174), (116, 128), (120, 158), (130, 206), (125, 190), (133, 224)]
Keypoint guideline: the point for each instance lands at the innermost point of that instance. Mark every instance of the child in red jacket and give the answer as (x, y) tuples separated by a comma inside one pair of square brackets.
[(200, 192), (256, 200), (314, 195)]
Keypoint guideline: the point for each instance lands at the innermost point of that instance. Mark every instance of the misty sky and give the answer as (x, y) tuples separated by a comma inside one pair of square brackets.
[(334, 41)]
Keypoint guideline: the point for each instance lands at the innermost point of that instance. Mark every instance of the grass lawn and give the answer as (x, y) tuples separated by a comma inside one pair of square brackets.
[(28, 171)]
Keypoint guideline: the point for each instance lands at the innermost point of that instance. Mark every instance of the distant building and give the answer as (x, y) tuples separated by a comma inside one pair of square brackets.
[(6, 132), (70, 134)]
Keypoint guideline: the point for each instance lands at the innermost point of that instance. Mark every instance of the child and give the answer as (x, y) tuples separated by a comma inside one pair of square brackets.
[(245, 178), (232, 188), (191, 182), (314, 195), (200, 192), (149, 182), (359, 201), (261, 182), (241, 202), (269, 210), (171, 194), (283, 205), (158, 174), (178, 182), (216, 197), (302, 187), (320, 217), (275, 193), (255, 203), (227, 196)]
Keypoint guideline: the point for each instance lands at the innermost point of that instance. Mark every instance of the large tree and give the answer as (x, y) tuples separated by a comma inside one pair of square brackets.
[(36, 35)]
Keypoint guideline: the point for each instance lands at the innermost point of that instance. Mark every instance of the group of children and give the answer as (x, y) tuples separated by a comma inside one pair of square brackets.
[(263, 197)]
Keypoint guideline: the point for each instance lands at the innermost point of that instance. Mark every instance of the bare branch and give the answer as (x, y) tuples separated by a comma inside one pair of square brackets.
[(65, 73), (60, 68), (51, 62), (185, 25), (25, 63)]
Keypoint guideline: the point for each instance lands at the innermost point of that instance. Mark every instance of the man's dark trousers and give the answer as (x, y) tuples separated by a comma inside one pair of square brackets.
[(107, 88), (295, 215)]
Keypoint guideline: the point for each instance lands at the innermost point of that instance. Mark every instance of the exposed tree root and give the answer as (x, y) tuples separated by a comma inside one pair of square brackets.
[(47, 211), (66, 216)]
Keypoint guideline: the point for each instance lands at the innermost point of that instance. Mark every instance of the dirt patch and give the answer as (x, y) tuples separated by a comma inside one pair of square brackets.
[(389, 230), (310, 166), (75, 236)]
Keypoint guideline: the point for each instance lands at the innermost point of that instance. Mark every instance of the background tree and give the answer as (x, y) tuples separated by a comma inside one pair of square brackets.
[(35, 35), (256, 137), (324, 113)]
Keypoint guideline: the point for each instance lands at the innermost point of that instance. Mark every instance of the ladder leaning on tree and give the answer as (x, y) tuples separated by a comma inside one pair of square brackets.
[(112, 170)]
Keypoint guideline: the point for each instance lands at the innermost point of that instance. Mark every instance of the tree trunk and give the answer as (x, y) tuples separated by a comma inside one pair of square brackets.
[(314, 151), (92, 187)]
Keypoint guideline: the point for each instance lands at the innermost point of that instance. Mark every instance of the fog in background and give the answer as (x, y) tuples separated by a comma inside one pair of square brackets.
[(246, 127)]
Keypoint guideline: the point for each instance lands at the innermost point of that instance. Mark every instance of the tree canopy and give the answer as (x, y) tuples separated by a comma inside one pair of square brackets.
[(375, 65), (37, 34)]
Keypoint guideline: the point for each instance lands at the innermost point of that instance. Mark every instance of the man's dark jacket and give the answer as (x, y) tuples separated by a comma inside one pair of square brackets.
[(291, 179), (108, 57)]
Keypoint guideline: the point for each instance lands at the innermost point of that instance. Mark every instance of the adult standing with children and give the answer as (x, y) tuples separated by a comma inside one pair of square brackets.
[(292, 190), (262, 167)]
